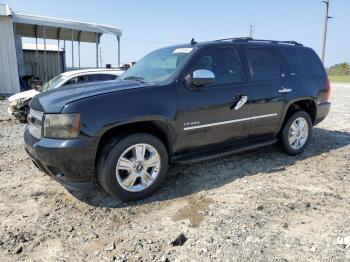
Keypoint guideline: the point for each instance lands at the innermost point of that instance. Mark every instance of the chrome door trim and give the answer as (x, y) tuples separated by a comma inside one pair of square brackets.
[(229, 122)]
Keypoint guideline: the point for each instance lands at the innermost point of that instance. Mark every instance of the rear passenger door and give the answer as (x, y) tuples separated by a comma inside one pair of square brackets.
[(266, 78)]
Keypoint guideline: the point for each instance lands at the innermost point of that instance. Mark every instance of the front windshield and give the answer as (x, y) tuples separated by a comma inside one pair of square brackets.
[(158, 66), (54, 82)]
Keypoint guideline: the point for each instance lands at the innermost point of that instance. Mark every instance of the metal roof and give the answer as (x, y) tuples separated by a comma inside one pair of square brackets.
[(31, 26)]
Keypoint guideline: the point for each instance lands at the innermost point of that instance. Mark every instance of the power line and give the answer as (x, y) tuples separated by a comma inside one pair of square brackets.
[(246, 18), (265, 18), (289, 28), (146, 42)]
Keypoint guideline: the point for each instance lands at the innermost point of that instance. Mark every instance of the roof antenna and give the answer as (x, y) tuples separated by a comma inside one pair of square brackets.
[(193, 42)]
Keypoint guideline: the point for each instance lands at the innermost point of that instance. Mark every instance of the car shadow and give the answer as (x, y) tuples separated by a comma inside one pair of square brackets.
[(188, 179)]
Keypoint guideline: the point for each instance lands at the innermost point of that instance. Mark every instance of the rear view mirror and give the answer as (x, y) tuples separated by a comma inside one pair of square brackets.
[(201, 77)]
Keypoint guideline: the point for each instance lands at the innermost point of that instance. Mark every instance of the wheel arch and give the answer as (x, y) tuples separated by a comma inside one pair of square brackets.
[(159, 128), (307, 104)]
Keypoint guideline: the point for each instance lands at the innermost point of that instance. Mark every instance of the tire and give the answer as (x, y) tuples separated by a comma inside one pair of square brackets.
[(288, 133), (119, 161)]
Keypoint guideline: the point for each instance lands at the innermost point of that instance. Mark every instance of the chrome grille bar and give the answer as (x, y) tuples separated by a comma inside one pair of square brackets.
[(35, 130), (35, 119), (36, 114)]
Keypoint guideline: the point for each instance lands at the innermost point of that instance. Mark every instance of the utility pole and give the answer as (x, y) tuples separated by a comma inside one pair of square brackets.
[(326, 17), (251, 31)]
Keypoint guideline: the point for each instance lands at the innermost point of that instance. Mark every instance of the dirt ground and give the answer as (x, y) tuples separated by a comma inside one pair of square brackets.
[(256, 206)]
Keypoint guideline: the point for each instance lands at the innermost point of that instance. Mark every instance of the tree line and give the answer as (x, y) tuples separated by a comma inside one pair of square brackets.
[(342, 69)]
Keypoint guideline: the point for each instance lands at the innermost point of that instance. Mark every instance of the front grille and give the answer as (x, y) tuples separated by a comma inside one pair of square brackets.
[(35, 119)]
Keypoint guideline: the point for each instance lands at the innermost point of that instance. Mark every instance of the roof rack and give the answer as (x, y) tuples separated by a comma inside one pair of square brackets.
[(249, 39), (236, 39)]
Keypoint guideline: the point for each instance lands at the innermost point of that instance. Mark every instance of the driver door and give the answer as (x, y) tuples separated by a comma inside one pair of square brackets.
[(206, 115)]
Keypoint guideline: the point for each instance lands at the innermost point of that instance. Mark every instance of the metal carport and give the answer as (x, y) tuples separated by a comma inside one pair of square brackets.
[(16, 25)]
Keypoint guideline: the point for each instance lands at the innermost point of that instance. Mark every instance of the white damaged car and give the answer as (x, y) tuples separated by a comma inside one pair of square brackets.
[(19, 103)]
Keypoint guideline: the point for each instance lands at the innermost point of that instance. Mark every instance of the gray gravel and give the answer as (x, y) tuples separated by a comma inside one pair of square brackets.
[(255, 206)]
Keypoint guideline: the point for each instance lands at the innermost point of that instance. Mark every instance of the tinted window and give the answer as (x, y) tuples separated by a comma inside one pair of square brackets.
[(101, 77), (264, 65), (304, 62), (82, 79), (223, 62)]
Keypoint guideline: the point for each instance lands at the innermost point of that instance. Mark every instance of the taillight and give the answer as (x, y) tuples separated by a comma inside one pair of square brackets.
[(328, 90)]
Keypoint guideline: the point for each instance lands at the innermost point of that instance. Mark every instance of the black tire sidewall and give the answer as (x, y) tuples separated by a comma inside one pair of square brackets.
[(107, 171), (284, 136)]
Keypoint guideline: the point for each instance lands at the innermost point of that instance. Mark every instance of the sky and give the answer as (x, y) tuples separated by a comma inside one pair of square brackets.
[(149, 25)]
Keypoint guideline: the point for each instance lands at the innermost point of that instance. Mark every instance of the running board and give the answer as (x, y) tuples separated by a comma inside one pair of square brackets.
[(210, 154)]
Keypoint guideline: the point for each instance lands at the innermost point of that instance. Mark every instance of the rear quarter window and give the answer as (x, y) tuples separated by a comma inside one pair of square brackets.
[(304, 62)]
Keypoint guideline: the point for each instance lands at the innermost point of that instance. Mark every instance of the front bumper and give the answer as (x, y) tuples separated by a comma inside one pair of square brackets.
[(322, 111), (70, 162)]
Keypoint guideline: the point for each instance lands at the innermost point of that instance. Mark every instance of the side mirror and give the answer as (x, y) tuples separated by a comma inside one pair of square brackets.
[(201, 77)]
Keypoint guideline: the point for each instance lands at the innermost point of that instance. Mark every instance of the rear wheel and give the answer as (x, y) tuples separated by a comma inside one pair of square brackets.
[(133, 167), (296, 133)]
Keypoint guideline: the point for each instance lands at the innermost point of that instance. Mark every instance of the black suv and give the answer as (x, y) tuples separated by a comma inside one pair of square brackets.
[(176, 105)]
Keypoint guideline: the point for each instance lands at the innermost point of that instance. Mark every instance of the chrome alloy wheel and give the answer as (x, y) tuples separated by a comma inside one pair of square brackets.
[(138, 167), (298, 133)]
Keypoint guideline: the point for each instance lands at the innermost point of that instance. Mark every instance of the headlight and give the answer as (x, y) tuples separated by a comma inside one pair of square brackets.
[(61, 126)]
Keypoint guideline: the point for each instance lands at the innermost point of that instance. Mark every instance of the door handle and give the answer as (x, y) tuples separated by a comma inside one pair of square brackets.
[(238, 102), (285, 90)]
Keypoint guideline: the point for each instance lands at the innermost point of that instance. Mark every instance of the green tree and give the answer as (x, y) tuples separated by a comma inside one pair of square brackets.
[(341, 69)]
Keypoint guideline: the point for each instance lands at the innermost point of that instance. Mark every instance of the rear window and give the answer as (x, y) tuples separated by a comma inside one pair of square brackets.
[(304, 62), (101, 77), (264, 65)]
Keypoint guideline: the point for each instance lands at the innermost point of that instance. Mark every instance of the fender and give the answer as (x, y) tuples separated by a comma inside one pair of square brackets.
[(290, 102), (160, 122)]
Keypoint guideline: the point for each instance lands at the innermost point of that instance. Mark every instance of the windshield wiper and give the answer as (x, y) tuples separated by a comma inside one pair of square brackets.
[(136, 78)]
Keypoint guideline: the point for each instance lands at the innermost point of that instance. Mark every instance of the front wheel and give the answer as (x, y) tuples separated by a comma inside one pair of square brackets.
[(133, 167), (296, 133)]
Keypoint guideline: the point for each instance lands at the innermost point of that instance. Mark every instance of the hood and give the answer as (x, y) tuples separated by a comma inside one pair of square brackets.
[(54, 100), (23, 95)]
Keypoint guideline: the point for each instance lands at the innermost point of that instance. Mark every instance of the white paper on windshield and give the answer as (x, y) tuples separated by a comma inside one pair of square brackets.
[(183, 50)]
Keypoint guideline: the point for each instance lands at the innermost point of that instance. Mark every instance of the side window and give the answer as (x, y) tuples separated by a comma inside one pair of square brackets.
[(72, 81), (223, 62), (107, 77), (264, 65), (304, 62), (82, 79), (101, 77)]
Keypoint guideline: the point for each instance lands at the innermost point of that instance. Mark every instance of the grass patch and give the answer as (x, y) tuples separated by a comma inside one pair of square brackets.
[(342, 79)]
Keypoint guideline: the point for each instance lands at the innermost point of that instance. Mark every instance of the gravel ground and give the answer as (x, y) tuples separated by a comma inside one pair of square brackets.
[(255, 206)]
